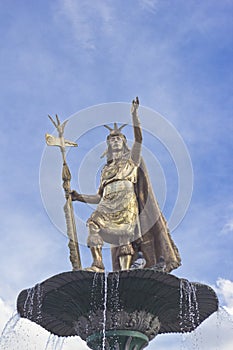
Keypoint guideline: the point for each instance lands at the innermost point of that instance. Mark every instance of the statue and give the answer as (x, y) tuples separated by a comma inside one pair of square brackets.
[(127, 216)]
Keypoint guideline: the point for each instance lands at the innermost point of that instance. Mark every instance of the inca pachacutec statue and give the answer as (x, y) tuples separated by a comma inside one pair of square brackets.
[(127, 214)]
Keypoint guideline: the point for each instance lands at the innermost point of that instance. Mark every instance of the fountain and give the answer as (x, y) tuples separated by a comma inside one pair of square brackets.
[(127, 308)]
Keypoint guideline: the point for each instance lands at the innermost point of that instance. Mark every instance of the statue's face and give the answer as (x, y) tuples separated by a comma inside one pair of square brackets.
[(116, 143)]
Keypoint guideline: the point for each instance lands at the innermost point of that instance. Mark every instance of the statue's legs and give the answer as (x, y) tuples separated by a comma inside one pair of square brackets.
[(125, 262), (122, 257), (123, 253), (95, 243)]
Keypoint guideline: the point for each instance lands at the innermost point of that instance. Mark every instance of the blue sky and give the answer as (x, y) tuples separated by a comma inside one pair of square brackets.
[(65, 56)]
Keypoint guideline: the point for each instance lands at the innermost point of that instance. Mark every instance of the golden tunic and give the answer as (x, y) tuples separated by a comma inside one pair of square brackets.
[(117, 212)]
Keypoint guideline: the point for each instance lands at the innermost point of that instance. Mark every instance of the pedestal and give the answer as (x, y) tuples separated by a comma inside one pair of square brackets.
[(120, 340)]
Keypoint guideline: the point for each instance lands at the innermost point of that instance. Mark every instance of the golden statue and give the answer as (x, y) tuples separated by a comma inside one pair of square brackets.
[(127, 215)]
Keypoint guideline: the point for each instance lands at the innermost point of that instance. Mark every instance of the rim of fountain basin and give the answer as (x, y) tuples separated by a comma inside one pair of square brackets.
[(68, 292)]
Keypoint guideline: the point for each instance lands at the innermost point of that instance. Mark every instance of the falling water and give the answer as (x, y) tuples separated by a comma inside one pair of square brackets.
[(48, 342), (8, 330), (105, 309), (39, 294), (28, 304), (60, 343), (54, 342), (33, 302), (114, 298), (93, 301), (189, 311)]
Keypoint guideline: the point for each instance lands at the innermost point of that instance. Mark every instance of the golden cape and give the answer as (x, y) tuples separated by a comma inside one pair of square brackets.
[(156, 240)]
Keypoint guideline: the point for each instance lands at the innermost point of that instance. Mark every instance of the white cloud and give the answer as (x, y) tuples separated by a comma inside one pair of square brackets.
[(150, 5), (87, 21), (228, 220), (225, 292), (228, 227)]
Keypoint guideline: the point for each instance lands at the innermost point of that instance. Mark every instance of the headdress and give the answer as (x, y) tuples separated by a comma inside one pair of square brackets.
[(115, 131)]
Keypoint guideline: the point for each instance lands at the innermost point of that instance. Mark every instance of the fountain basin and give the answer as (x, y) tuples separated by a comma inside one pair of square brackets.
[(97, 307)]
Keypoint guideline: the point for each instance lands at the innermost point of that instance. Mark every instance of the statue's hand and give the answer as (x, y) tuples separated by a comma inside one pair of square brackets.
[(74, 195), (135, 104)]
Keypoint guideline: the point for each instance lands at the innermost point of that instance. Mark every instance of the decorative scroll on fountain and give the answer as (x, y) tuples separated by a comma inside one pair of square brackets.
[(124, 309)]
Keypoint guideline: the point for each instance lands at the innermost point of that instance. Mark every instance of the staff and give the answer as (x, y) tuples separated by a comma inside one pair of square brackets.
[(66, 177)]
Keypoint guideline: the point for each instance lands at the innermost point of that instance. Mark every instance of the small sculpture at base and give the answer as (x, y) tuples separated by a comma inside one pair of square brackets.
[(127, 216)]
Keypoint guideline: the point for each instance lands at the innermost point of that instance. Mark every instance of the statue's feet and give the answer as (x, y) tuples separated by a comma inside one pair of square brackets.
[(97, 266), (94, 268)]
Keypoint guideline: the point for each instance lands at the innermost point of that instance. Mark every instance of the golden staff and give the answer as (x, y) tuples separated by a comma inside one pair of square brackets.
[(66, 177)]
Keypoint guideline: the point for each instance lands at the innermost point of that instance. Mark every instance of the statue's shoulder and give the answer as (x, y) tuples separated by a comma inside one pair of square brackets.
[(106, 166)]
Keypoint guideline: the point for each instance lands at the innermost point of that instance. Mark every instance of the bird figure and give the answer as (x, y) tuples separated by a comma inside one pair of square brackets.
[(160, 266), (139, 263)]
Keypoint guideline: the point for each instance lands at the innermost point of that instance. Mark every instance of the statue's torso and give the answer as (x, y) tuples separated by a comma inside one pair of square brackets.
[(117, 212), (119, 170)]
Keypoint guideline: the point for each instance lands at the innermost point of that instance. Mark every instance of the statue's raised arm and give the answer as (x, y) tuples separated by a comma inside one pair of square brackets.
[(136, 149)]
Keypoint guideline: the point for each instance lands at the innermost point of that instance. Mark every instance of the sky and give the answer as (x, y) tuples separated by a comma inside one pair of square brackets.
[(77, 59)]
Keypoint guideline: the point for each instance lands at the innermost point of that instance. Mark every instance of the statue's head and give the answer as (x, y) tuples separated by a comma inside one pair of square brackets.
[(116, 141)]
